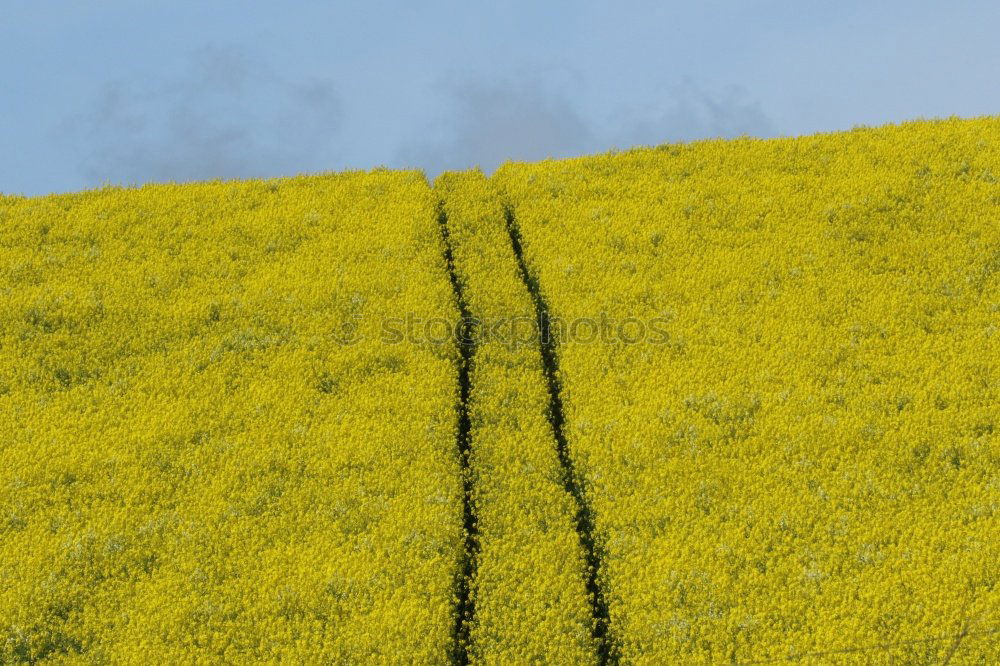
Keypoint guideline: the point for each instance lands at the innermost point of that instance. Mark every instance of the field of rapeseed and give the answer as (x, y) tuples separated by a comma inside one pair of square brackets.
[(809, 458), (192, 463), (723, 402)]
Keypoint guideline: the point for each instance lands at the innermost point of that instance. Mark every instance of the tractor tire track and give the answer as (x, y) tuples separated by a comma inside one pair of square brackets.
[(465, 607), (606, 647)]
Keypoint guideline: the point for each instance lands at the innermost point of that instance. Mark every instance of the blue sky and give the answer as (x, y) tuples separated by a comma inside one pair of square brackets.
[(132, 91)]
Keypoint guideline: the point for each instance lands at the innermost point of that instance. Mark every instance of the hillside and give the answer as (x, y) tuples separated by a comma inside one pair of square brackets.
[(720, 402)]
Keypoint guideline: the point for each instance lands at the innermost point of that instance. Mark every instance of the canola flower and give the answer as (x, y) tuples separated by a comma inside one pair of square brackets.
[(810, 460), (210, 451), (531, 604), (195, 463)]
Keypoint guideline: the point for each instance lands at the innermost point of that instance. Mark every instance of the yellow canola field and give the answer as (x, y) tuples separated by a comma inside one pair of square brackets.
[(797, 447), (231, 414), (194, 466), (531, 604)]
